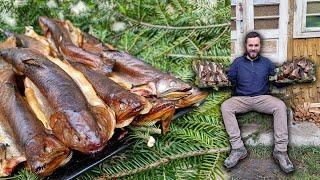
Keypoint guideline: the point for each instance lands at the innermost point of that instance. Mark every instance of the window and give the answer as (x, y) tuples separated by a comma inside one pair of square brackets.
[(307, 19)]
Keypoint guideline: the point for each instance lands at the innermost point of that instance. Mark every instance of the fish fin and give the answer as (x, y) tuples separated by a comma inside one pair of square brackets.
[(105, 119), (32, 62)]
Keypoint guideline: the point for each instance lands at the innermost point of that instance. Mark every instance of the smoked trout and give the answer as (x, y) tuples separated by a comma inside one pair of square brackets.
[(35, 98), (61, 41), (44, 153), (138, 76), (125, 104), (72, 122)]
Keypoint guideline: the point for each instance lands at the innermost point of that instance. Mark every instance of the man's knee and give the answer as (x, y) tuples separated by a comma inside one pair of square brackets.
[(225, 105), (280, 105)]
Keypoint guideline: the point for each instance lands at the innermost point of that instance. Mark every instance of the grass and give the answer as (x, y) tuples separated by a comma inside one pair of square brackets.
[(265, 122), (305, 158)]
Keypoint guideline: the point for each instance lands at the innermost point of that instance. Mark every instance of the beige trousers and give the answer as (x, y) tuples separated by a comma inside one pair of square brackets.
[(264, 104)]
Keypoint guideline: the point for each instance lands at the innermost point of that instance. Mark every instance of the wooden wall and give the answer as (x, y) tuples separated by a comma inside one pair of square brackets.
[(305, 47)]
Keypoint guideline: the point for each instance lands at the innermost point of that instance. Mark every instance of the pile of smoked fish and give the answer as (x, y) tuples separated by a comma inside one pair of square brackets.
[(67, 91)]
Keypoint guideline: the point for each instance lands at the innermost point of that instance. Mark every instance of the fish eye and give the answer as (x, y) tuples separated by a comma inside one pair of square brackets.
[(172, 83)]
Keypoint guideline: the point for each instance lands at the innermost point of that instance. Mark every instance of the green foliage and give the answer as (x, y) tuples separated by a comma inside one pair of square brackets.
[(168, 34)]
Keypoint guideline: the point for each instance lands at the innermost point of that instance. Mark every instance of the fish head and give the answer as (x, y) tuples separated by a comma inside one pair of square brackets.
[(77, 130), (21, 57), (161, 111), (195, 98), (45, 154), (44, 23), (11, 56), (127, 107), (8, 33), (171, 88), (156, 113)]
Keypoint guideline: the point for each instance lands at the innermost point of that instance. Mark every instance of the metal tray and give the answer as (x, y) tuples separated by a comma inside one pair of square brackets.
[(81, 163)]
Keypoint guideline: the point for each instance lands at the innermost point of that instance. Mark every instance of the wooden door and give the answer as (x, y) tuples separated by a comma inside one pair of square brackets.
[(269, 18)]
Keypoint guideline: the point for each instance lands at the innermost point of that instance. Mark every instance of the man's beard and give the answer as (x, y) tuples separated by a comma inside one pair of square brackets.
[(252, 54)]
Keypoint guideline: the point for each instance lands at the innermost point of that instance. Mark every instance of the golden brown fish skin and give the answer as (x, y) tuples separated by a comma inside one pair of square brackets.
[(44, 152), (93, 44), (197, 96), (125, 104), (28, 42), (102, 115), (10, 42), (54, 29), (162, 111), (11, 152), (140, 76), (140, 73), (166, 86), (72, 121), (132, 70)]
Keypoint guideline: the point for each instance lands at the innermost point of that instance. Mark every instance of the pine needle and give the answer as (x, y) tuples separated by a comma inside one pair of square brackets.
[(166, 160)]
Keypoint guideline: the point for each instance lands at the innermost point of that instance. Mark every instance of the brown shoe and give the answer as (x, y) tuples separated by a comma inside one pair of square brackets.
[(283, 160), (235, 156)]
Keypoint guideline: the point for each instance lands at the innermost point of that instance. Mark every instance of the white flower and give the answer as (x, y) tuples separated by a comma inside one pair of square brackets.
[(170, 9), (106, 5), (8, 18), (151, 142), (60, 15), (17, 3), (118, 26), (80, 7), (52, 4)]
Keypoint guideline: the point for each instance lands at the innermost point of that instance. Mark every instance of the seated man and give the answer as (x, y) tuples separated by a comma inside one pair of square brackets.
[(250, 76)]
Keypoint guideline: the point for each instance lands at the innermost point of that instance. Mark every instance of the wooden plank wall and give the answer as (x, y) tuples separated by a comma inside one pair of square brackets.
[(307, 47)]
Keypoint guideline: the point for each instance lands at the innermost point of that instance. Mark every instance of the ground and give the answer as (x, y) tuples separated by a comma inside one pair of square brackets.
[(304, 151)]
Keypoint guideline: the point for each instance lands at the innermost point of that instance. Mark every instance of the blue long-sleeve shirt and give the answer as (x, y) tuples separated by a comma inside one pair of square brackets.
[(251, 78)]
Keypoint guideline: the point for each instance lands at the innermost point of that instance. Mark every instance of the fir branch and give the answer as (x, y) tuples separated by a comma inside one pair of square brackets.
[(151, 130), (159, 37), (198, 57), (195, 46), (174, 27), (136, 39), (162, 13), (177, 2), (166, 160), (214, 41), (175, 44)]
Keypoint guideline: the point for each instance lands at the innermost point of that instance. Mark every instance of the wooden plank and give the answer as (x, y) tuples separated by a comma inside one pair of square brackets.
[(318, 98), (295, 49), (263, 2), (304, 48), (313, 93), (310, 45), (314, 111), (318, 46), (315, 43), (290, 49), (314, 105), (283, 31), (297, 20)]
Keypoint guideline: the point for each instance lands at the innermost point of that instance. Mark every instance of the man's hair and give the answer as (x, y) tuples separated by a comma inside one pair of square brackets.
[(253, 34)]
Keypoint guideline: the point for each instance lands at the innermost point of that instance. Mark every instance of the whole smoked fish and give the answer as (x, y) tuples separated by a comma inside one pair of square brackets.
[(44, 153), (72, 122), (63, 44)]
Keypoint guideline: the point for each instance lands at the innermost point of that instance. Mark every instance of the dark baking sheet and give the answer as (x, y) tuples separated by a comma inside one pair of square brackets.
[(81, 163)]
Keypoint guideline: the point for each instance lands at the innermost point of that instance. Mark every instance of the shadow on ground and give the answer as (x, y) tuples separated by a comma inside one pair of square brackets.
[(251, 168)]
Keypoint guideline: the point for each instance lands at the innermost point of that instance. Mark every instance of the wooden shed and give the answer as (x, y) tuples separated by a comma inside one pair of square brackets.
[(290, 28)]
